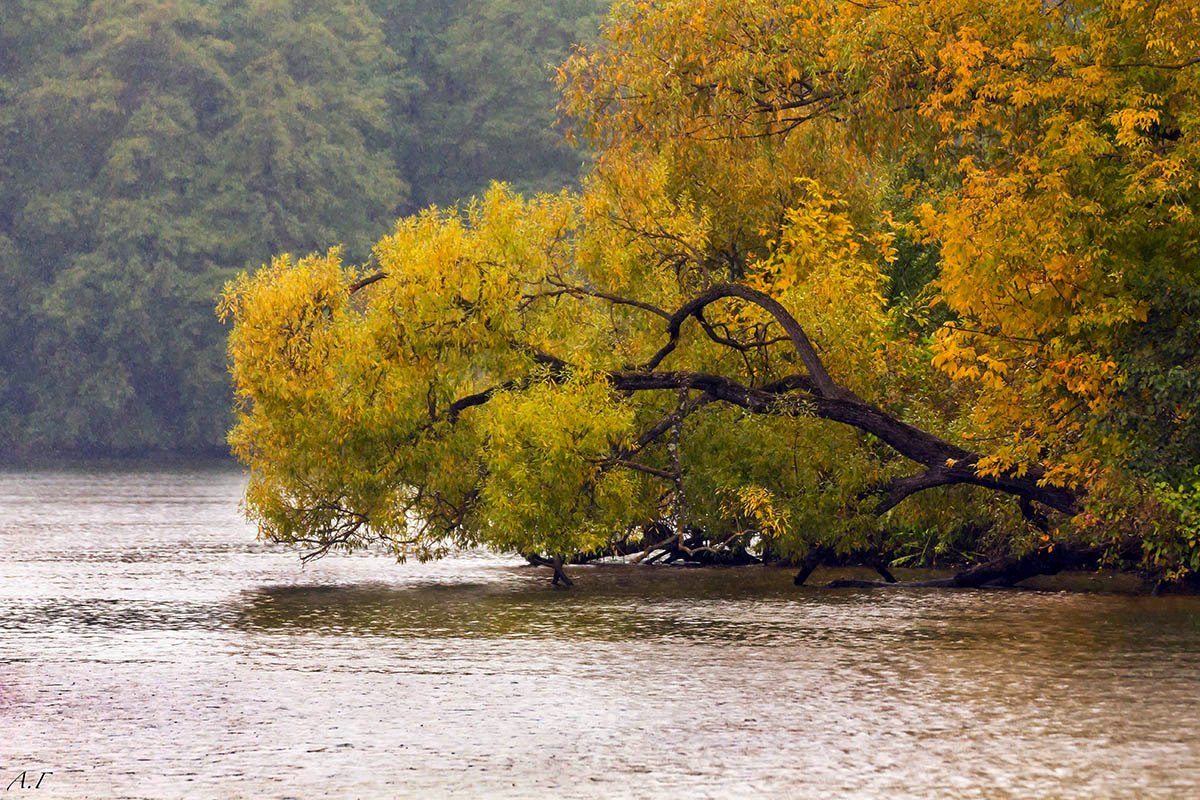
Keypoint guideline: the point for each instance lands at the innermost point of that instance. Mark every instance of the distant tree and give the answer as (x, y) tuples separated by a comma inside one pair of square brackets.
[(149, 148), (103, 153), (486, 107)]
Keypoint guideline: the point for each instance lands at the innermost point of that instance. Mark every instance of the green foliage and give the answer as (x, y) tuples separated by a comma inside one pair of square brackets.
[(546, 489), (149, 149), (1174, 545), (484, 108), (1157, 410)]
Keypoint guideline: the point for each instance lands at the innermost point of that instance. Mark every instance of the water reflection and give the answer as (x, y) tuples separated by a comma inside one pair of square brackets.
[(153, 648), (607, 606), (619, 603)]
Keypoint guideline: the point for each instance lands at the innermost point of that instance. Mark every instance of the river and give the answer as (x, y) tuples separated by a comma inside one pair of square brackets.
[(151, 647)]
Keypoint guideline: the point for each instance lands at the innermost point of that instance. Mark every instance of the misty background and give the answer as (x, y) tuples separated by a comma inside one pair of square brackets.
[(152, 149)]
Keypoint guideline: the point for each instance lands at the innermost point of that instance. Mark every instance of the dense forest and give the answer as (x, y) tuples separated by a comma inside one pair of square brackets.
[(151, 149), (857, 282)]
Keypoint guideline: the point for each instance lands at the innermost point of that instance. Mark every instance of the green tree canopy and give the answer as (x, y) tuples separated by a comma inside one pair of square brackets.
[(151, 148), (484, 109)]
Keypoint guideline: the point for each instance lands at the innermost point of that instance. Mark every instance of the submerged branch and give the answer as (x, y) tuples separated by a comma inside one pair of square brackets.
[(1007, 571)]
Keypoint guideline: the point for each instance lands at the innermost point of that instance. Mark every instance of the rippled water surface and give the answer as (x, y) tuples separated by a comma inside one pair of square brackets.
[(150, 647)]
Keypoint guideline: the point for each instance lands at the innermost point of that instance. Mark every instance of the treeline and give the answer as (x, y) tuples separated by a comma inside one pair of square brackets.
[(151, 149)]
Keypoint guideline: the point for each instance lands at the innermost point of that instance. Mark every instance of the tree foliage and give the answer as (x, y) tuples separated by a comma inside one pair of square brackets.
[(149, 149), (483, 108), (964, 231)]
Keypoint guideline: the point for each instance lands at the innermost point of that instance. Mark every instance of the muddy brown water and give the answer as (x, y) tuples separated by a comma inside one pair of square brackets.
[(151, 647)]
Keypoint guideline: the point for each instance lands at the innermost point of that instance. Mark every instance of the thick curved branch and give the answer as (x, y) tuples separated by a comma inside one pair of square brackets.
[(901, 488), (815, 393), (367, 281), (822, 383), (947, 464)]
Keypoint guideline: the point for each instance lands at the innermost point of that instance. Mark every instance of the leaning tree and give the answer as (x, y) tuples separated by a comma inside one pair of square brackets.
[(830, 257)]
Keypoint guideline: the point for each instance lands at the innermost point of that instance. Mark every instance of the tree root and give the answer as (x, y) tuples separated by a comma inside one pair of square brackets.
[(560, 579), (820, 555)]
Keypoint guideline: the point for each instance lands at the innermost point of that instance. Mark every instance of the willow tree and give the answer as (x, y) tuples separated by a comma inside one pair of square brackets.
[(706, 354)]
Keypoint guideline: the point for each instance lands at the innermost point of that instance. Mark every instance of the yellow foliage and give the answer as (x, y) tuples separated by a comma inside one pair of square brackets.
[(1044, 154)]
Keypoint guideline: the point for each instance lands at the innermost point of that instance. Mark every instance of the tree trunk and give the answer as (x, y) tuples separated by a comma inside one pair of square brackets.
[(560, 575), (999, 572)]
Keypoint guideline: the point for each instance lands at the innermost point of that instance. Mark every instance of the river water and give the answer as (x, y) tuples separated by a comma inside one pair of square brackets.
[(151, 647)]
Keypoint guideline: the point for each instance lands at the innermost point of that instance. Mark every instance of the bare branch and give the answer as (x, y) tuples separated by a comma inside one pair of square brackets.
[(572, 290), (646, 468), (823, 384), (367, 281)]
